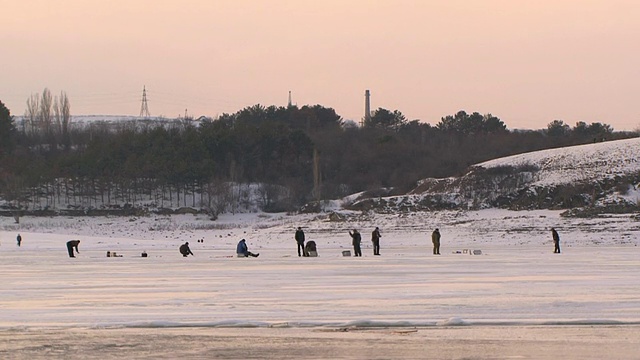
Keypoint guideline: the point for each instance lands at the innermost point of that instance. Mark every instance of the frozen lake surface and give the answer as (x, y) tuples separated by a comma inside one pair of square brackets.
[(516, 295)]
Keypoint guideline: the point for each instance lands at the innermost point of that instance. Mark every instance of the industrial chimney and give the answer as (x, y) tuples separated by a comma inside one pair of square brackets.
[(367, 106)]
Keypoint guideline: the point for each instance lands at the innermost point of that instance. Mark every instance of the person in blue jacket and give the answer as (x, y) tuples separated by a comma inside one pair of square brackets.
[(243, 251)]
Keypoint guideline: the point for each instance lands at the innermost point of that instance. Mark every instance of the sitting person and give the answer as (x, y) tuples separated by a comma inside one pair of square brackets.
[(184, 249), (310, 249), (243, 251)]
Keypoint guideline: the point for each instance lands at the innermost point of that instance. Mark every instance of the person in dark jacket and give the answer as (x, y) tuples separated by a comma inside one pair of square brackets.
[(73, 244), (375, 239), (243, 251), (300, 240), (310, 249), (184, 249), (556, 241), (435, 238), (356, 240), (19, 239)]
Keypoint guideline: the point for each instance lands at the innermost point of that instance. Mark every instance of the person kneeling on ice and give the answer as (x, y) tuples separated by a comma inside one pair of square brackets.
[(184, 249), (243, 251), (310, 249)]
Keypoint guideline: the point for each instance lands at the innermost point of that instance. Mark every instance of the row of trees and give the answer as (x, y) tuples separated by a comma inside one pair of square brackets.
[(297, 154), (47, 119), (598, 131)]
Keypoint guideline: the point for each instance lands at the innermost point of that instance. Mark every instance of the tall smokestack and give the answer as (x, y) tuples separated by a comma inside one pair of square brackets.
[(367, 106)]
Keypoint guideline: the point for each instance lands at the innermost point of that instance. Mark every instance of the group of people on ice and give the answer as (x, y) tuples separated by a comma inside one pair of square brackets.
[(242, 250), (310, 248), (356, 240)]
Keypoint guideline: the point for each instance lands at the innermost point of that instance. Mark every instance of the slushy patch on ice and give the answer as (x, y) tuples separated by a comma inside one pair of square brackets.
[(454, 321), (383, 324), (590, 322), (172, 324), (357, 324)]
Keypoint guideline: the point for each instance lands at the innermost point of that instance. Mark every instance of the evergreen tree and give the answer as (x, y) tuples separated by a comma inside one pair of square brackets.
[(7, 131)]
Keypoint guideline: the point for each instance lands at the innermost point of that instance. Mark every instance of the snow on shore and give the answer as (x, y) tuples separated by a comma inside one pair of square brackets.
[(574, 164)]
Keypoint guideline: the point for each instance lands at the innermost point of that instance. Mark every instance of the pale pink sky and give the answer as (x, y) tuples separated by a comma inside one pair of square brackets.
[(527, 62)]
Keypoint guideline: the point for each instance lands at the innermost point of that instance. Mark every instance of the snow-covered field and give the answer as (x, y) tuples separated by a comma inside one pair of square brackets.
[(581, 163), (515, 288)]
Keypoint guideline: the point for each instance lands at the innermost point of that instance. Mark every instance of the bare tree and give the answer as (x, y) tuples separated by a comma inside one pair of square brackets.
[(268, 195), (57, 119), (49, 117), (14, 193), (218, 196), (46, 112), (317, 180), (31, 114), (62, 114), (235, 173)]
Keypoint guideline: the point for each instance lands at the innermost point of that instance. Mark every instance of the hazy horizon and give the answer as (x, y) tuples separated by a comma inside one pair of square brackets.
[(528, 63)]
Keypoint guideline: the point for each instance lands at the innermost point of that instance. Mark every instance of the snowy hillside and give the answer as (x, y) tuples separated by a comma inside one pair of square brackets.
[(583, 163), (600, 175)]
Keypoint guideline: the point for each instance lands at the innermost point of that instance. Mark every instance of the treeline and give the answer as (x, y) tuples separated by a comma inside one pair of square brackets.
[(296, 154)]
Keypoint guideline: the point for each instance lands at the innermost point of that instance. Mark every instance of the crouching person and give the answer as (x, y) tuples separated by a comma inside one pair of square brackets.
[(310, 249), (73, 244), (185, 250), (243, 251)]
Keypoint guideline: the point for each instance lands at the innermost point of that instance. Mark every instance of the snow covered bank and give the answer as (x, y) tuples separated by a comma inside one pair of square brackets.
[(601, 177)]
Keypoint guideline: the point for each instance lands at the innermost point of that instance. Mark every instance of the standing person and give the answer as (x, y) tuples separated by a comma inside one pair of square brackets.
[(435, 238), (19, 239), (243, 251), (73, 244), (356, 240), (185, 250), (300, 240), (375, 238), (556, 241)]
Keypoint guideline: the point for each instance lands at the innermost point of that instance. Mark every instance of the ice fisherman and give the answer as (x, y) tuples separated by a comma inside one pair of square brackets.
[(375, 239), (435, 238), (300, 240), (310, 249), (19, 239), (184, 249), (243, 251), (556, 241), (73, 244), (356, 240)]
